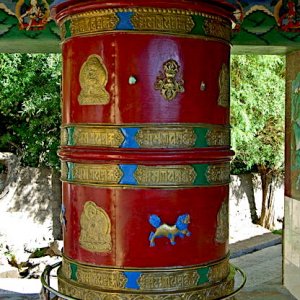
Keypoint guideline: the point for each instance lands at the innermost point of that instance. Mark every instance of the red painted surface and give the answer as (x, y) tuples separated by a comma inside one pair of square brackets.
[(141, 156), (129, 210), (143, 56)]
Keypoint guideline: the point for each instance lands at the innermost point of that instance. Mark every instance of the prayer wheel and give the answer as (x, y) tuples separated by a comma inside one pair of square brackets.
[(145, 149)]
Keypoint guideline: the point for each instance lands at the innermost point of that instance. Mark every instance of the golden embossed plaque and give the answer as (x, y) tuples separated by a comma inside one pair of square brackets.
[(101, 137), (217, 29), (93, 79), (166, 137), (95, 228), (218, 272), (224, 87), (218, 137), (218, 174), (64, 136), (159, 281), (93, 22), (103, 174), (222, 233), (106, 279), (165, 175), (159, 21)]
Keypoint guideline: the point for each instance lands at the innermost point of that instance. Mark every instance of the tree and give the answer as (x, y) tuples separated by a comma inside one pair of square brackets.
[(257, 119), (30, 107)]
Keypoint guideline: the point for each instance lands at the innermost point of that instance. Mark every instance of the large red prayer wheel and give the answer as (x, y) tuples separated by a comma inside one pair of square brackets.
[(145, 149)]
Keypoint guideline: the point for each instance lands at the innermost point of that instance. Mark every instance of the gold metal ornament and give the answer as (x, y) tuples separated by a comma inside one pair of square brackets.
[(218, 137), (218, 173), (150, 280), (167, 83), (164, 22), (101, 173), (215, 291), (222, 232), (218, 29), (93, 78), (165, 175), (166, 137), (93, 22), (95, 229), (224, 86), (98, 136)]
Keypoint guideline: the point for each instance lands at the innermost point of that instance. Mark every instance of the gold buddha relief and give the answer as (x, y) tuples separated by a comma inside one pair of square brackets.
[(93, 78), (95, 229)]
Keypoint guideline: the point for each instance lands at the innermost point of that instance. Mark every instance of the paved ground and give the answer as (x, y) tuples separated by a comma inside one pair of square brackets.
[(263, 270)]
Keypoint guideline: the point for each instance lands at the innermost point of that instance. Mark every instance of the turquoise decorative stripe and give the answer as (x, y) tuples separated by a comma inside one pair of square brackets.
[(128, 177), (203, 275), (73, 268), (132, 280), (130, 141), (124, 23)]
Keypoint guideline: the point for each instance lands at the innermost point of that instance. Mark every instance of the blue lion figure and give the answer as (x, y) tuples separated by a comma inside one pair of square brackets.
[(164, 230)]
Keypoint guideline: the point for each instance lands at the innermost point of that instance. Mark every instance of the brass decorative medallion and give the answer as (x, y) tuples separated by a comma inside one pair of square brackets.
[(218, 173), (94, 22), (165, 175), (158, 21), (100, 137), (166, 137), (95, 228), (217, 29), (167, 83), (93, 78), (224, 86), (222, 232), (102, 173), (218, 137)]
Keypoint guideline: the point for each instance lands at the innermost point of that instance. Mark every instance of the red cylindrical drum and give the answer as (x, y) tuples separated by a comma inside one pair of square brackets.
[(145, 149)]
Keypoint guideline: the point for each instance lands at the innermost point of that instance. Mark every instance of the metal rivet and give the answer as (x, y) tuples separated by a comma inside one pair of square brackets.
[(203, 86), (132, 80)]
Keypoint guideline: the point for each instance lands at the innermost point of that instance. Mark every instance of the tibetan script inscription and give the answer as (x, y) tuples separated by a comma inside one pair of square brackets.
[(105, 174), (182, 280), (217, 29), (94, 23), (218, 137), (170, 22), (95, 229), (165, 175), (218, 174), (166, 138), (105, 279), (101, 137)]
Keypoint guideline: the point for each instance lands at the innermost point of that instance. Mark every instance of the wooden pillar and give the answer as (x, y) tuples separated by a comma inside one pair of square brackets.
[(292, 176)]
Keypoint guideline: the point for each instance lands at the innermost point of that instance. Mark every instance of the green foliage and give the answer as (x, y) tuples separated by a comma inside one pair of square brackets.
[(30, 107), (257, 112)]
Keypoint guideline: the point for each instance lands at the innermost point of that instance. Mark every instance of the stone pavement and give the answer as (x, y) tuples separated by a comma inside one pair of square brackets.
[(263, 269)]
